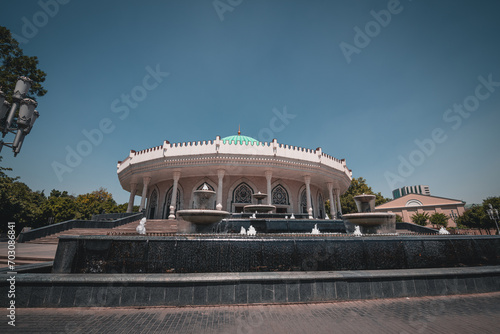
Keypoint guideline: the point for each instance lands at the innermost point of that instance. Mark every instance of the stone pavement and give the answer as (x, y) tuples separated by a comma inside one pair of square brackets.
[(28, 253), (478, 313)]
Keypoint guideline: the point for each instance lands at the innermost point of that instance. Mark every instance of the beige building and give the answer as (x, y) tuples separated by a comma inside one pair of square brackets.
[(297, 179), (406, 206)]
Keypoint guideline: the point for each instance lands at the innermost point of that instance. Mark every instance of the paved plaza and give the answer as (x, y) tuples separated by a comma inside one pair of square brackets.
[(478, 313)]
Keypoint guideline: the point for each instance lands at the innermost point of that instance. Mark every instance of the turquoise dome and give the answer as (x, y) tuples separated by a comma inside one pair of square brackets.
[(239, 139)]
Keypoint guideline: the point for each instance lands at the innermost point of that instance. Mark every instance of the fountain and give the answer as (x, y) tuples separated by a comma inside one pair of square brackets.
[(260, 268), (200, 215), (251, 231), (369, 222), (259, 207), (444, 231), (357, 231), (315, 230), (141, 228)]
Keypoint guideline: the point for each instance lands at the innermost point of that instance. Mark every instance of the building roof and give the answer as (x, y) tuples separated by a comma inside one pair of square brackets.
[(251, 157), (412, 200), (239, 139)]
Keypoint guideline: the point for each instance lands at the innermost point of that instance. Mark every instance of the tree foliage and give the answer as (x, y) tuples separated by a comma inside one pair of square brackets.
[(439, 219), (19, 204), (476, 217), (358, 186), (99, 201), (13, 63), (59, 207), (420, 218)]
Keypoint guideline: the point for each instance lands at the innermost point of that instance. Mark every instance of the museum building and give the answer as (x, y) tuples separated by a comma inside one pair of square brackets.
[(296, 179)]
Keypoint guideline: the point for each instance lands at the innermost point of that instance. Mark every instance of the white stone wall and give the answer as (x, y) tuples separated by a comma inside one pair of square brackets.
[(273, 149)]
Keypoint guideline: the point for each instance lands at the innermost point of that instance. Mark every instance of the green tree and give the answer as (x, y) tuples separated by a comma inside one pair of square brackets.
[(420, 218), (13, 63), (18, 203), (59, 207), (93, 203), (439, 219), (399, 219), (476, 218), (495, 203), (358, 186), (121, 208)]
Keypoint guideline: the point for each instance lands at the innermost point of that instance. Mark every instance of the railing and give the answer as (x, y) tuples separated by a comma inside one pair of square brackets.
[(76, 223), (111, 216)]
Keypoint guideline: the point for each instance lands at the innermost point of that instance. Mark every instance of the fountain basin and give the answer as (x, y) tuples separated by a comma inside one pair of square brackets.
[(259, 208), (203, 217), (370, 222)]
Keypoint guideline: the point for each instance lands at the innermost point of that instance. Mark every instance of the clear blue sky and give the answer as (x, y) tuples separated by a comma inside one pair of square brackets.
[(235, 64)]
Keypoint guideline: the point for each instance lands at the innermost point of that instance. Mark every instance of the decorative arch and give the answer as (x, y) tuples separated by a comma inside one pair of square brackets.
[(168, 198), (280, 198), (321, 206), (279, 195), (303, 201), (210, 185), (152, 204), (414, 202), (241, 195)]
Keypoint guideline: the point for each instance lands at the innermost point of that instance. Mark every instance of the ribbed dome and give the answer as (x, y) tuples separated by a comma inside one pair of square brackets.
[(239, 139)]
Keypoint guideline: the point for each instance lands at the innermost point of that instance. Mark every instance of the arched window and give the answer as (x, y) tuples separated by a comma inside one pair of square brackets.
[(280, 195), (321, 206), (242, 194), (168, 199), (303, 202), (153, 203), (414, 202)]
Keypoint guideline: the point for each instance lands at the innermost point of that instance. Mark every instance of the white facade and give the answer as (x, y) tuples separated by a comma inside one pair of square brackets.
[(234, 167)]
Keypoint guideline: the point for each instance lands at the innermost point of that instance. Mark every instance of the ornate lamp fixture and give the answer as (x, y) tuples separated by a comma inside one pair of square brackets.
[(26, 117)]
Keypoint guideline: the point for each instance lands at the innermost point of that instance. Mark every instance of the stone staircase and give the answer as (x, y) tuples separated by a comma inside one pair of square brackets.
[(152, 226)]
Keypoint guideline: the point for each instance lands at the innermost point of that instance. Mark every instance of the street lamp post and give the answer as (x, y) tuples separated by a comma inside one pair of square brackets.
[(454, 217), (493, 214), (22, 125)]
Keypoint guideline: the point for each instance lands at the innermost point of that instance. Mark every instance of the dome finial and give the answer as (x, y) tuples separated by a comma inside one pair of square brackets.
[(239, 130)]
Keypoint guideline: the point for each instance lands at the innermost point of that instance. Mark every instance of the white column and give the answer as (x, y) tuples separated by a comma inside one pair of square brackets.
[(333, 211), (173, 202), (220, 174), (307, 180), (133, 190), (339, 207), (145, 183), (269, 176)]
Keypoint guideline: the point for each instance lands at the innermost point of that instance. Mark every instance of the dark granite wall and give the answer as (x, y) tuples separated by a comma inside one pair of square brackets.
[(113, 254)]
